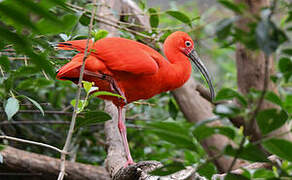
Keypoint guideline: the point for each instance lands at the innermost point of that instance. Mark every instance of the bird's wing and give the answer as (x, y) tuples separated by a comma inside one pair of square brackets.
[(78, 45), (121, 54)]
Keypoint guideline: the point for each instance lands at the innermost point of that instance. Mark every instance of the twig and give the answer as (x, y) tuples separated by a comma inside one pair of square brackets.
[(33, 142), (71, 129), (104, 16), (102, 20), (252, 120), (25, 58), (33, 122), (19, 174), (46, 112)]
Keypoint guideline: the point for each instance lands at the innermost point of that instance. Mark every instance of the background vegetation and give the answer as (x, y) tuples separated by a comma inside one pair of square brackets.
[(36, 106)]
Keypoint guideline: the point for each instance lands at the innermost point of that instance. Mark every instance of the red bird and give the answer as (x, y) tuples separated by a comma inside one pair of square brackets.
[(133, 70)]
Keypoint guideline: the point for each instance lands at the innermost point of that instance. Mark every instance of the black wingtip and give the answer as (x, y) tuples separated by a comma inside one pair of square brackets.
[(61, 44), (66, 44)]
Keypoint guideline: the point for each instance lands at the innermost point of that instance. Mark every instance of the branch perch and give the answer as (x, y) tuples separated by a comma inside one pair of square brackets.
[(47, 168)]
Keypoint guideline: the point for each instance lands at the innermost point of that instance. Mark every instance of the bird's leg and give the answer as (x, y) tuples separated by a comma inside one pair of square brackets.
[(123, 132), (116, 88), (113, 83)]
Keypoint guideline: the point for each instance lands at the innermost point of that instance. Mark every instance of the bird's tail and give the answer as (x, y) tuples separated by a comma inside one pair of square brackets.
[(78, 45)]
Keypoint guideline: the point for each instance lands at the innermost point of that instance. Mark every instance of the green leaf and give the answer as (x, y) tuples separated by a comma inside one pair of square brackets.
[(268, 36), (231, 176), (249, 152), (263, 173), (142, 4), (39, 10), (84, 19), (175, 133), (285, 66), (274, 98), (105, 93), (173, 108), (154, 18), (168, 169), (271, 119), (73, 103), (87, 85), (223, 28), (180, 16), (230, 5), (165, 35), (48, 27), (246, 173), (204, 131), (26, 71), (289, 28), (92, 117), (287, 52), (227, 93), (101, 33), (279, 147), (5, 63), (207, 170), (21, 44), (190, 157), (18, 17), (226, 110), (289, 18), (34, 103), (11, 107), (287, 103)]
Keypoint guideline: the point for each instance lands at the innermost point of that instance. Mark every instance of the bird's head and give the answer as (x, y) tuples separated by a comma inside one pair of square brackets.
[(181, 42)]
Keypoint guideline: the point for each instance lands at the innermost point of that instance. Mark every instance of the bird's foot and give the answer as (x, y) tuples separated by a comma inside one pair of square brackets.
[(129, 162)]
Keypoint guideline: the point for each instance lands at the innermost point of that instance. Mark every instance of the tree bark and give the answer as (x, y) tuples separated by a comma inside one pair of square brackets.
[(37, 166), (195, 109), (250, 69)]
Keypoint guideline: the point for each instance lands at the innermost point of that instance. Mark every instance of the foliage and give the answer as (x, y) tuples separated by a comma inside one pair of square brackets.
[(32, 29)]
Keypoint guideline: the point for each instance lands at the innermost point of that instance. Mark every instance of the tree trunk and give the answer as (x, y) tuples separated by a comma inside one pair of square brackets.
[(250, 68)]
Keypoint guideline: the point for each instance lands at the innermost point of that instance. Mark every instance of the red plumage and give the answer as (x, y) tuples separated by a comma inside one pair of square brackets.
[(132, 69)]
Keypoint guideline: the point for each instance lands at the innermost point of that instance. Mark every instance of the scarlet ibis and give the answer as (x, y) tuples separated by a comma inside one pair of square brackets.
[(133, 69)]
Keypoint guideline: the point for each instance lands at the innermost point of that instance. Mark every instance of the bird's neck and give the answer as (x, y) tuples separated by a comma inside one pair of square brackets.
[(180, 69)]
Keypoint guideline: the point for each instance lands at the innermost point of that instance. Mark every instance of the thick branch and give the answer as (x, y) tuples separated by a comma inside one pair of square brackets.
[(47, 168)]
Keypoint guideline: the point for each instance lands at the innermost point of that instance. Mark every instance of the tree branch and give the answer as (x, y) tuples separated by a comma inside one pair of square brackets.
[(32, 142), (46, 168), (19, 162)]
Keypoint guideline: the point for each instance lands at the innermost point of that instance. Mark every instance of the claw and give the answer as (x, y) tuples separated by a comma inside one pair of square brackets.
[(129, 162)]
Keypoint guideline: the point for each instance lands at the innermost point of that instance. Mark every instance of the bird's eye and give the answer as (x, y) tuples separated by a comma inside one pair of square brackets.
[(188, 43)]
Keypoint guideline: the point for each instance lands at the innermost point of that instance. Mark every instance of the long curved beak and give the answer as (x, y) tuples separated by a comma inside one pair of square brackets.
[(195, 58)]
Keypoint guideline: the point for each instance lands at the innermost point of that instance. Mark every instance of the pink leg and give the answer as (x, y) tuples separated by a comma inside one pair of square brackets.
[(122, 129)]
